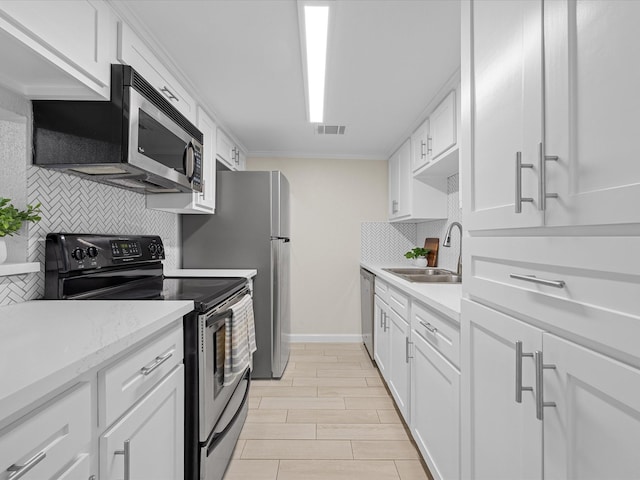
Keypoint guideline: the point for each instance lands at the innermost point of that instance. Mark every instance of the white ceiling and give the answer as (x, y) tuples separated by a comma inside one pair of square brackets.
[(387, 60)]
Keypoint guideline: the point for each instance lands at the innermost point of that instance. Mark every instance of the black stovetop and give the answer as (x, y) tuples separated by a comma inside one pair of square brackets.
[(205, 292)]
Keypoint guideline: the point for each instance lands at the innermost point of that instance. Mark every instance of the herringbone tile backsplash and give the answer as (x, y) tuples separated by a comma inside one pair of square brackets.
[(71, 204)]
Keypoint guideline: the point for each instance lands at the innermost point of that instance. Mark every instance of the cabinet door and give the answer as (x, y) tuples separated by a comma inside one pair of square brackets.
[(380, 336), (405, 180), (419, 141), (505, 84), (502, 439), (225, 149), (133, 51), (592, 118), (206, 200), (435, 409), (150, 437), (594, 430), (394, 186), (398, 379), (442, 126), (75, 36)]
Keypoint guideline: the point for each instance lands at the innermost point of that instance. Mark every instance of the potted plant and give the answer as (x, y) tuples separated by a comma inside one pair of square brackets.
[(11, 220), (419, 256)]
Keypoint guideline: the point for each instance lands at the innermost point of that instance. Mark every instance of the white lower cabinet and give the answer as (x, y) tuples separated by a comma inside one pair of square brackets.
[(53, 442), (398, 378), (539, 406), (414, 348), (502, 439), (147, 442), (435, 409), (594, 429), (380, 335)]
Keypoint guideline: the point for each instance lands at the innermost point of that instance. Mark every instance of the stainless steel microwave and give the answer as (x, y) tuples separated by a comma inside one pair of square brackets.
[(137, 141)]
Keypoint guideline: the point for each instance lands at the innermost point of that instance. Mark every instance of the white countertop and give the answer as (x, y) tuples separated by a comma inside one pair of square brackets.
[(45, 344), (209, 272), (443, 297)]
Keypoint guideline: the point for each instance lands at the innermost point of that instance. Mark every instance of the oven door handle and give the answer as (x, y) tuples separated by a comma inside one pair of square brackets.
[(215, 319)]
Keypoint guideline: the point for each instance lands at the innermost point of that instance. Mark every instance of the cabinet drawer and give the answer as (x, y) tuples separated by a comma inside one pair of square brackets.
[(399, 302), (124, 383), (595, 297), (55, 439), (132, 51), (381, 289), (443, 334)]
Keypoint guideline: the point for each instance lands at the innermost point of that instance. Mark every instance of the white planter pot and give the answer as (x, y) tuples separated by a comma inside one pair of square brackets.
[(420, 262), (3, 250)]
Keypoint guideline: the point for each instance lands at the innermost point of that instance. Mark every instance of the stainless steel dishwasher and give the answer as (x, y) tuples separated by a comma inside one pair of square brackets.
[(366, 308)]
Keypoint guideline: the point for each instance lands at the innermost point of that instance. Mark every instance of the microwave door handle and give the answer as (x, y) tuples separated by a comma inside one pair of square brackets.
[(188, 163)]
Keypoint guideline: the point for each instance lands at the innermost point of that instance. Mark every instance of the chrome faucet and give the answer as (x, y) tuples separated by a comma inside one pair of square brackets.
[(447, 243)]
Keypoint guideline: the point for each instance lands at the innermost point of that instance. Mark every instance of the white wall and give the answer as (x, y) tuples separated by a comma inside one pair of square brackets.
[(329, 201)]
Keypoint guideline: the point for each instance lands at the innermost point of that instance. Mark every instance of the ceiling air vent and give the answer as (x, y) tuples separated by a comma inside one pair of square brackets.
[(330, 129)]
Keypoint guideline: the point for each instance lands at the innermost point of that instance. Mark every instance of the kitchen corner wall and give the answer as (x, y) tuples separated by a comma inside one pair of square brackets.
[(385, 243), (69, 204)]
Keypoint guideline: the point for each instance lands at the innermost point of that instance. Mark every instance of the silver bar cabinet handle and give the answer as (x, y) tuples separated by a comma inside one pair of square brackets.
[(422, 152), (540, 403), (386, 326), (519, 387), (519, 167), (18, 471), (429, 147), (156, 363), (541, 281), (542, 191), (429, 327), (406, 349), (127, 459)]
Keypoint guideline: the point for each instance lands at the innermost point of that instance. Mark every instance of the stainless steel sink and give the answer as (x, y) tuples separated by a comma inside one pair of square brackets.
[(425, 275)]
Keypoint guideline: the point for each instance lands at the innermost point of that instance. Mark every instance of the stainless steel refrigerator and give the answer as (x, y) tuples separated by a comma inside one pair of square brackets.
[(250, 229)]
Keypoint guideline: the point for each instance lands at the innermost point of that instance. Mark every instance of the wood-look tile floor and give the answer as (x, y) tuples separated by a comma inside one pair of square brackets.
[(329, 418)]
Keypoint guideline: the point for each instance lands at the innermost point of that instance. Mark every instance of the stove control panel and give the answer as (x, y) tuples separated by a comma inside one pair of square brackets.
[(68, 252)]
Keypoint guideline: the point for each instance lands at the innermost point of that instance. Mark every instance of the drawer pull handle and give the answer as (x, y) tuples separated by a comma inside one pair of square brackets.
[(406, 346), (433, 330), (169, 94), (541, 281), (156, 363), (18, 471), (127, 458)]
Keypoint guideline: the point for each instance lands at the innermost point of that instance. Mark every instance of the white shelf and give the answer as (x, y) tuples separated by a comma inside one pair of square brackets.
[(445, 166), (18, 268)]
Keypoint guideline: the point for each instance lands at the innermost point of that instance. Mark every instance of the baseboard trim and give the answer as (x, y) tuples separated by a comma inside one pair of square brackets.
[(337, 338)]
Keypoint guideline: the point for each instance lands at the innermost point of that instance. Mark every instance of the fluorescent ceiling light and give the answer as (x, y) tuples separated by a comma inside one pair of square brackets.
[(316, 25)]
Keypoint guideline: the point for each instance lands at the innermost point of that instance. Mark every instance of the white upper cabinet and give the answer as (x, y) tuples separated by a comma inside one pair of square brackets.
[(592, 115), (133, 51), (442, 127), (57, 50), (435, 144), (229, 153), (196, 202), (412, 200), (572, 127), (503, 54), (419, 144)]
